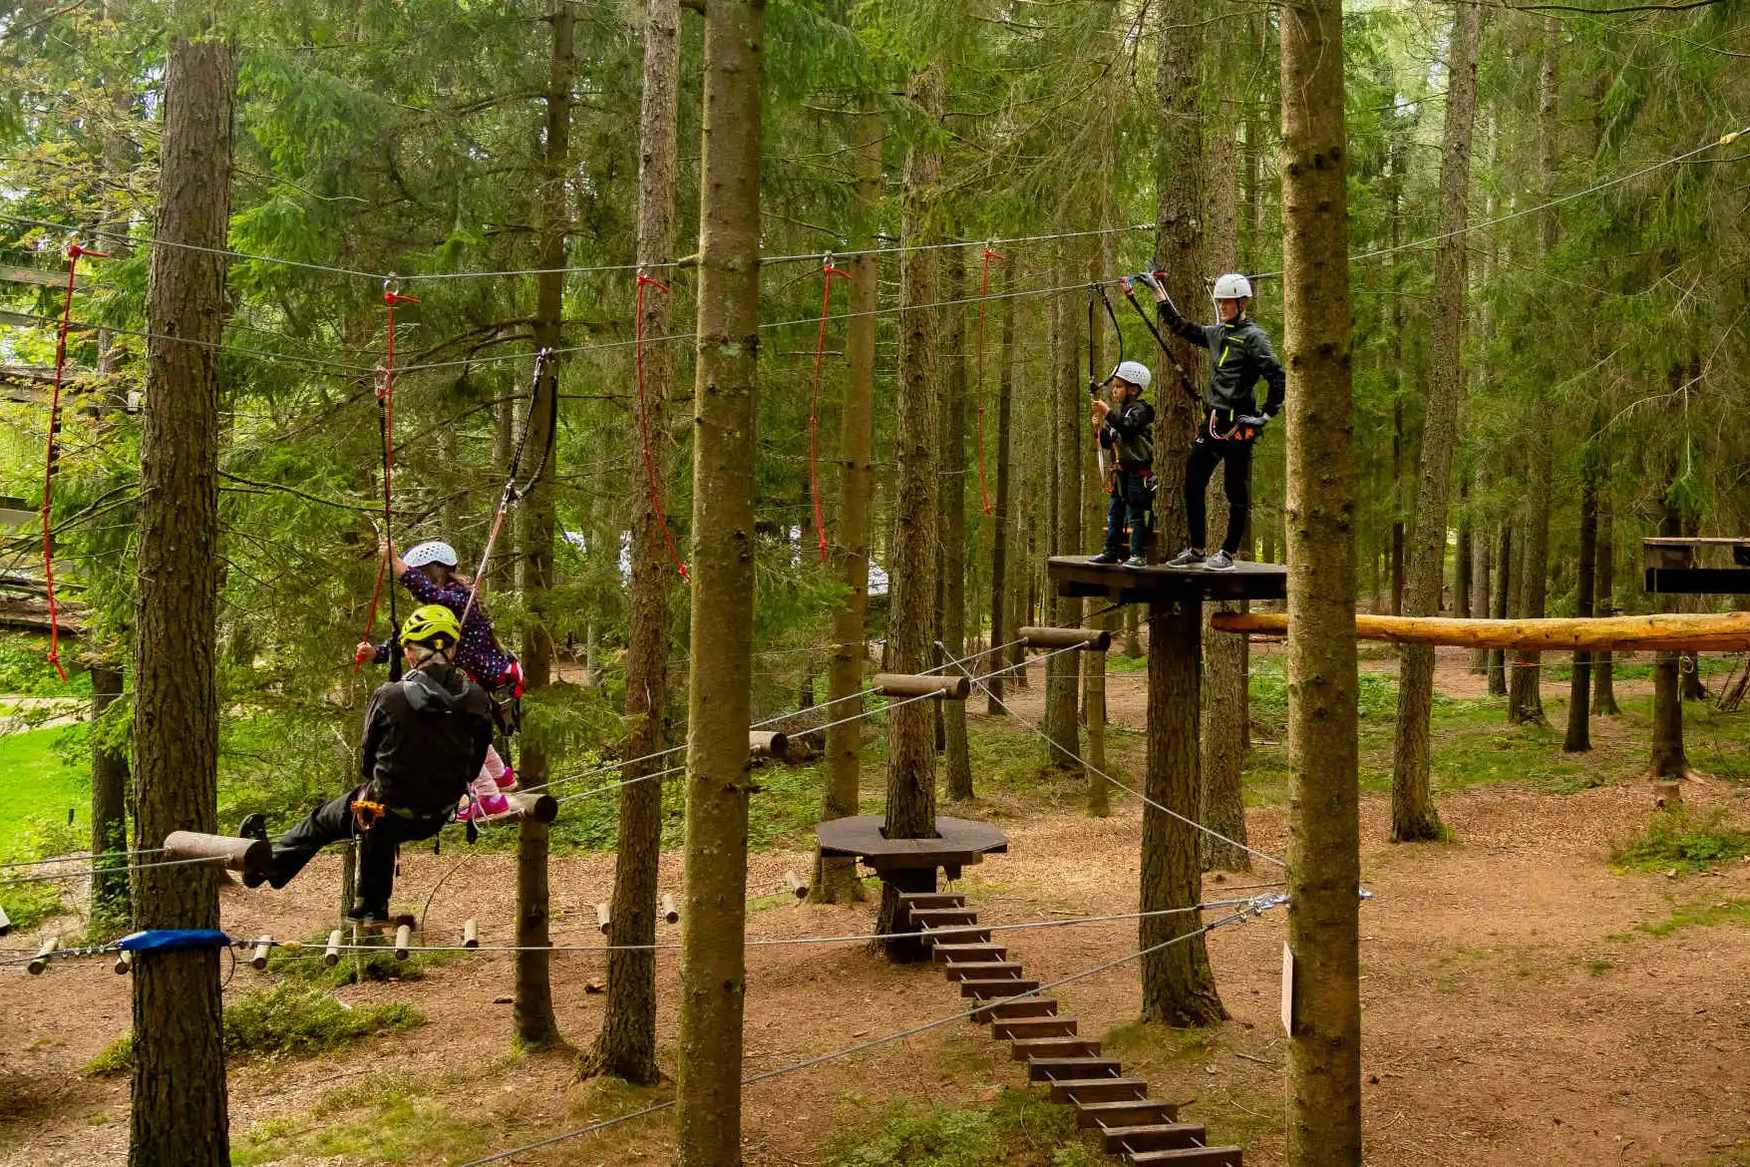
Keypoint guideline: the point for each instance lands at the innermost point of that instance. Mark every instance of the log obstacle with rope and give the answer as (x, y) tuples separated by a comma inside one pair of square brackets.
[(1086, 639), (768, 744), (921, 685), (1666, 632), (252, 857), (543, 808)]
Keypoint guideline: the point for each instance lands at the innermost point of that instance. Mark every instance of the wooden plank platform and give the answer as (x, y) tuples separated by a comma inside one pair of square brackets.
[(958, 843), (1073, 575)]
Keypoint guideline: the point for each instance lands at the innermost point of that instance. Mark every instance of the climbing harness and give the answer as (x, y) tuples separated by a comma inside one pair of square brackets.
[(514, 492), (827, 274), (983, 298), (1185, 381), (650, 476), (366, 814), (52, 454), (386, 425)]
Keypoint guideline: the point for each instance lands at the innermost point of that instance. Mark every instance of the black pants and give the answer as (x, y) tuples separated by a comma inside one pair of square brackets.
[(1206, 451), (1129, 518), (332, 823)]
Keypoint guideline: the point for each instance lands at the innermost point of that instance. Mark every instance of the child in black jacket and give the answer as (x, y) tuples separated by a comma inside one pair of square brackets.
[(1125, 428)]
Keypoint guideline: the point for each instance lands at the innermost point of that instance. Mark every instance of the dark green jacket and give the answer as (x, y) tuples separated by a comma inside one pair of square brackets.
[(1240, 355)]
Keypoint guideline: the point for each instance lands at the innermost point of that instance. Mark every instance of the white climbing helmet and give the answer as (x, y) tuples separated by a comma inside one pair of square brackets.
[(434, 551), (1133, 371), (1233, 286)]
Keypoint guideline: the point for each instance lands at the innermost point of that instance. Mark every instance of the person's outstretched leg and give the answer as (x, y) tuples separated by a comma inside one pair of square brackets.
[(1237, 478), (329, 823)]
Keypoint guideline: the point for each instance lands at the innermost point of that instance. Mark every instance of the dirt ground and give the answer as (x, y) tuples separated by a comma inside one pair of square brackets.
[(1513, 1011)]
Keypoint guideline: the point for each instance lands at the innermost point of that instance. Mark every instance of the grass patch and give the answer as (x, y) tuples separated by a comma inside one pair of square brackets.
[(1699, 916), (287, 1020), (387, 1120), (301, 966), (1678, 840), (42, 785), (1022, 1128)]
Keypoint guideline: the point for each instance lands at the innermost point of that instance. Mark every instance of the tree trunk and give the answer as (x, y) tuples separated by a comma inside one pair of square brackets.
[(109, 802), (713, 971), (835, 880), (911, 764), (1063, 672), (1000, 583), (952, 507), (1413, 813), (533, 1009), (1604, 602), (626, 1045), (1579, 737), (1462, 554), (1102, 258), (1324, 1052), (1504, 578), (1669, 757), (1395, 192), (1525, 698), (1482, 559), (1178, 247), (179, 1104)]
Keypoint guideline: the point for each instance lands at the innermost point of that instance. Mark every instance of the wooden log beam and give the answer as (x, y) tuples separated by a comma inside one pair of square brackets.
[(1086, 639), (249, 856), (922, 685), (1669, 632), (767, 744), (44, 951), (541, 807)]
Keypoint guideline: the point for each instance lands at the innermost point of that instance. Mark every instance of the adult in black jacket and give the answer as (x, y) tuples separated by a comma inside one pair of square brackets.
[(1125, 430), (425, 736), (1240, 355)]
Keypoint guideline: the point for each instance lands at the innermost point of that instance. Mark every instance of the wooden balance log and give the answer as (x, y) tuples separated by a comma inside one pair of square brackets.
[(253, 858), (1086, 639), (1664, 632), (921, 685), (541, 807), (768, 744)]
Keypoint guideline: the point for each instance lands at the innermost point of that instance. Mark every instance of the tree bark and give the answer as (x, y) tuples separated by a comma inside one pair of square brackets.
[(1669, 758), (1504, 579), (179, 1101), (1413, 813), (1579, 736), (532, 1012), (713, 970), (1001, 585), (1604, 601), (956, 758), (1395, 191), (626, 1045), (1102, 258), (1063, 672), (1324, 1052), (1178, 245), (911, 764), (835, 880), (110, 903), (1482, 560)]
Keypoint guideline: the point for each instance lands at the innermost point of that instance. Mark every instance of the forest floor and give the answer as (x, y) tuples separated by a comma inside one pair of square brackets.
[(1526, 1000)]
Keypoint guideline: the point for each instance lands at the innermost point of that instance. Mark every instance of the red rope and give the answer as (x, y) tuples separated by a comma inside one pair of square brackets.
[(386, 402), (52, 454), (978, 391), (827, 272), (650, 476)]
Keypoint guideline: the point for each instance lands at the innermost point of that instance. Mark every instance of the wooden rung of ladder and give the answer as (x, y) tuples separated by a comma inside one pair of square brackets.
[(953, 934), (1160, 1136), (1055, 1069), (960, 953), (981, 970), (1086, 639), (937, 917), (1022, 1028), (1130, 1112), (932, 899), (1073, 1090), (996, 990), (1192, 1157), (1031, 1007), (957, 688), (1029, 1048)]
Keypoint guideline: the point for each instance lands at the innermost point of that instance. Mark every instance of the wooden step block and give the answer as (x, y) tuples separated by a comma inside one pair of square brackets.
[(1031, 1007), (995, 990), (1012, 1028), (1059, 1069), (954, 934), (1162, 1136), (1133, 1112), (1098, 1090), (1193, 1157), (932, 899), (946, 953), (936, 917), (981, 970), (1054, 1047)]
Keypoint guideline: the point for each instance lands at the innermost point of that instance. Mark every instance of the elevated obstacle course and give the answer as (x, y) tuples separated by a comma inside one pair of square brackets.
[(910, 865), (1076, 576)]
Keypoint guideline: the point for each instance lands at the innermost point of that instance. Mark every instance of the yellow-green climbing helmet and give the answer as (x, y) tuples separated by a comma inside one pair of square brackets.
[(432, 624)]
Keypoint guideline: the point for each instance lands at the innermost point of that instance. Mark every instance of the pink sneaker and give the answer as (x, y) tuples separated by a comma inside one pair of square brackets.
[(479, 808), (506, 780)]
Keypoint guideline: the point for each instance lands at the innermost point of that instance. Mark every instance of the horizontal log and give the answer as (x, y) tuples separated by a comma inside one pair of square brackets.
[(249, 856), (670, 913), (37, 277), (331, 955), (1668, 632), (922, 685), (470, 934), (604, 917), (797, 887), (40, 961), (767, 744), (1086, 639), (124, 963), (258, 958), (540, 807)]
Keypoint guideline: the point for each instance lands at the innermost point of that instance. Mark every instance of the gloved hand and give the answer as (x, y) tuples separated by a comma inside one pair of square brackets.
[(1251, 425), (1147, 280)]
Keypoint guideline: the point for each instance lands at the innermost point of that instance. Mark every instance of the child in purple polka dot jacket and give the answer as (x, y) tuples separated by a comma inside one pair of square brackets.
[(429, 573)]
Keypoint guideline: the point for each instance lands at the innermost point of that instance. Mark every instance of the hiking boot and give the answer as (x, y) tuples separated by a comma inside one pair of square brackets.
[(1105, 559), (1136, 561), (1220, 561), (366, 914), (253, 826), (506, 779), (1190, 557), (482, 807)]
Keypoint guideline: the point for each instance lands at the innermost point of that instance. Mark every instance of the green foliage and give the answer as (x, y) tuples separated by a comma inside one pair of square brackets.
[(1685, 841), (302, 966), (25, 669), (1700, 916), (286, 1020), (1021, 1127)]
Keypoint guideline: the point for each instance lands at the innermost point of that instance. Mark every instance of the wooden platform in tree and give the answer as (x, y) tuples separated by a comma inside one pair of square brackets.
[(1693, 565), (958, 843), (1073, 575), (1132, 1124)]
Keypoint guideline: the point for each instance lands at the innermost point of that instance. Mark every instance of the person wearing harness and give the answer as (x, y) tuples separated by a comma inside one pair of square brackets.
[(1240, 355), (425, 736), (429, 572), (1125, 426)]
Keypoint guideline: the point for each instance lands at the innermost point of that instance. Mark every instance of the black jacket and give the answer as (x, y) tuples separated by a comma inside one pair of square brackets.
[(426, 737), (1239, 356), (1129, 429)]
